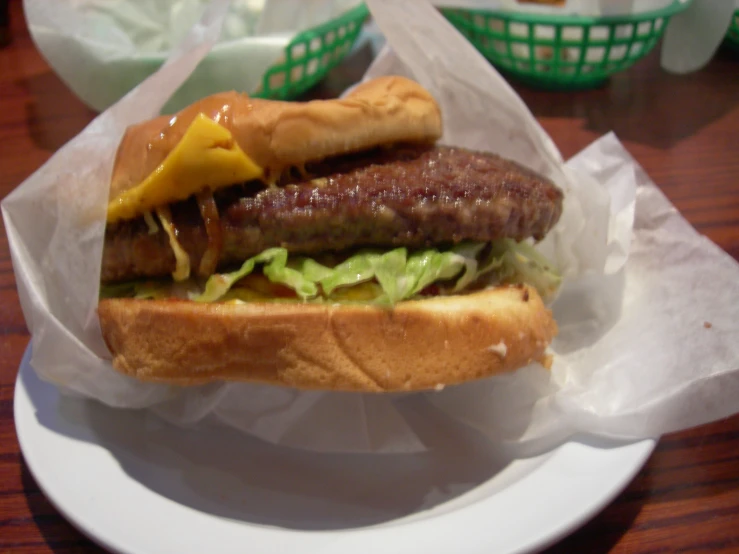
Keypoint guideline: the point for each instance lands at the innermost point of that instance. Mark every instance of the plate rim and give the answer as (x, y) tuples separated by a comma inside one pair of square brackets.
[(643, 450)]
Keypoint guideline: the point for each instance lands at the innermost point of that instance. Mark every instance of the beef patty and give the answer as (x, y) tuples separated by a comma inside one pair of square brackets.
[(411, 196)]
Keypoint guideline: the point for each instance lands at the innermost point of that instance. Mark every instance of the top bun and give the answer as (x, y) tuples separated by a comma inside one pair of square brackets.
[(277, 135)]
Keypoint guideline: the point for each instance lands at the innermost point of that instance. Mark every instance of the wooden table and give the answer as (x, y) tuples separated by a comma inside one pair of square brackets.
[(683, 130)]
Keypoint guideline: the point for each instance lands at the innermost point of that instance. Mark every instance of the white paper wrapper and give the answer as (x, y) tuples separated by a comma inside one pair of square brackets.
[(104, 48), (633, 358)]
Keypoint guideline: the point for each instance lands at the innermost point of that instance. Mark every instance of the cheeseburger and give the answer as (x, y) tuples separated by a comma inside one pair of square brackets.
[(322, 245)]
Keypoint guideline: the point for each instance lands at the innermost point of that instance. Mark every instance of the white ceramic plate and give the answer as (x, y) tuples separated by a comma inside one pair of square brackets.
[(136, 484)]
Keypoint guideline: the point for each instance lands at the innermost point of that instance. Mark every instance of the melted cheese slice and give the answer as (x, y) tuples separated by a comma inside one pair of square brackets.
[(206, 156)]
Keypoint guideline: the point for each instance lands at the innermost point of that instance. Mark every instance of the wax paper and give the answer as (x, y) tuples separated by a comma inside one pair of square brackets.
[(647, 316)]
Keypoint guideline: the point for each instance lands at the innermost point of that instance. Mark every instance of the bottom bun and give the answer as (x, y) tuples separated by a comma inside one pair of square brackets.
[(419, 344)]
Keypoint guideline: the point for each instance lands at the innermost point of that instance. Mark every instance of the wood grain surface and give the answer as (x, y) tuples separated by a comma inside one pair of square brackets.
[(683, 130)]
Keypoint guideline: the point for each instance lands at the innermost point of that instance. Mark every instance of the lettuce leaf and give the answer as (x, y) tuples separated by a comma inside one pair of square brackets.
[(522, 263), (352, 271), (396, 274), (220, 283), (391, 272)]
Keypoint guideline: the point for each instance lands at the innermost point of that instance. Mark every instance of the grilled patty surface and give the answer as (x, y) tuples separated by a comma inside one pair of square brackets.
[(411, 196)]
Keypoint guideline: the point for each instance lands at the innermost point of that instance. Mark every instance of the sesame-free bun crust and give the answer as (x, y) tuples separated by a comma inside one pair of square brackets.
[(277, 135), (417, 345)]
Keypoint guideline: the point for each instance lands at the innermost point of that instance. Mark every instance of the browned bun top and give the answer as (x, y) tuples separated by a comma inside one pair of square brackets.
[(277, 135)]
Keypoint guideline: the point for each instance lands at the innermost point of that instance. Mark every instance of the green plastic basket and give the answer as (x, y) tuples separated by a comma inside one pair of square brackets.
[(732, 35), (562, 52), (311, 55)]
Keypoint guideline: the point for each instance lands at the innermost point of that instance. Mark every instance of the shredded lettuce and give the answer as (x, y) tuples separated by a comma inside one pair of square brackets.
[(150, 289), (392, 275), (520, 262), (395, 274), (275, 268), (352, 271)]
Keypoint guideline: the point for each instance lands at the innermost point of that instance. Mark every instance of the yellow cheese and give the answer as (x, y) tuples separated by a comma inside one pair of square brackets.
[(206, 156), (361, 292), (256, 287)]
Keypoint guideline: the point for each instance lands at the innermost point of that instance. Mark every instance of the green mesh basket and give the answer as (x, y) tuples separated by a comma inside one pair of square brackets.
[(562, 51), (732, 35), (311, 55)]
